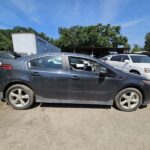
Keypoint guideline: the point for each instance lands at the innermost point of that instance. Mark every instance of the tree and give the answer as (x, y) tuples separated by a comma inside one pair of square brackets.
[(5, 43), (6, 40), (147, 42), (136, 48), (92, 36)]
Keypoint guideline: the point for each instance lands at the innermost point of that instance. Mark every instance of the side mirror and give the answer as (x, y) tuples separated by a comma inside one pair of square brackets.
[(127, 61), (103, 71)]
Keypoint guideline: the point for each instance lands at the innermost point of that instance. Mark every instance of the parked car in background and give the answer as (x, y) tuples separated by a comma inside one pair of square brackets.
[(70, 78), (133, 63), (6, 55), (106, 58)]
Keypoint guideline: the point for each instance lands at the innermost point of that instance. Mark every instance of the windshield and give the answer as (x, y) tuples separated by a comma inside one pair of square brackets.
[(140, 59)]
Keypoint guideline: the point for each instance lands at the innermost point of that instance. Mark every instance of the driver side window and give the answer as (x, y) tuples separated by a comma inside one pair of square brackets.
[(83, 64)]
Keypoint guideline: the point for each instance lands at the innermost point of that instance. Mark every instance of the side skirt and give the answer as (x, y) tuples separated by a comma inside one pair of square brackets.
[(63, 101)]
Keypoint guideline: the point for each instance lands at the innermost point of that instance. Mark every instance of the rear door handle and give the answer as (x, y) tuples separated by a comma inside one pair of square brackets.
[(74, 77), (35, 74)]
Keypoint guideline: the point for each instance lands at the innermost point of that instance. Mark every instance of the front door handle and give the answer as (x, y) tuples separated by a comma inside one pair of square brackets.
[(35, 74), (74, 77)]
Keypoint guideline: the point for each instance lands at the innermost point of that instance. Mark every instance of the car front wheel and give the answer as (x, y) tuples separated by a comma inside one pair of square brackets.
[(20, 97), (128, 99)]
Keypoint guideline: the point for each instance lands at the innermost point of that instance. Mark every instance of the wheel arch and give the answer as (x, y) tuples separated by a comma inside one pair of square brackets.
[(133, 86), (14, 83), (134, 70)]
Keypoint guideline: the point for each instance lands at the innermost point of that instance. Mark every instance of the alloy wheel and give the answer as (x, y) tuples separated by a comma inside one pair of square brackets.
[(19, 97), (129, 100)]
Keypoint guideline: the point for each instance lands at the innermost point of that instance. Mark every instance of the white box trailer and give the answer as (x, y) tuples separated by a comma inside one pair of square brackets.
[(29, 43)]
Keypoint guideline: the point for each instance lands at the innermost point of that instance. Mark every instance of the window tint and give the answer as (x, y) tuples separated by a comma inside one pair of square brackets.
[(125, 57), (116, 58), (48, 62), (82, 64), (140, 59), (104, 59)]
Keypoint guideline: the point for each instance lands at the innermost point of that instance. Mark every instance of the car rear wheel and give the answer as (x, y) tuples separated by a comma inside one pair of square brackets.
[(128, 99), (20, 97)]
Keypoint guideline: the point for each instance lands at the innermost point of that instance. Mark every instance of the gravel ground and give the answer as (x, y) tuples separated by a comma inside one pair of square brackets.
[(73, 127)]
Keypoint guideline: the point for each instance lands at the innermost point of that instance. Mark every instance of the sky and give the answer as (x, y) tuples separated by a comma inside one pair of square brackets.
[(47, 15)]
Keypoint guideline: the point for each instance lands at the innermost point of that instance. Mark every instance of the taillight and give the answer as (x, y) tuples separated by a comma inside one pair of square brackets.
[(6, 67)]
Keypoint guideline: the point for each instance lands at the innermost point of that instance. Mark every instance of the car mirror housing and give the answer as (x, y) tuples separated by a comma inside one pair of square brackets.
[(127, 61), (103, 71)]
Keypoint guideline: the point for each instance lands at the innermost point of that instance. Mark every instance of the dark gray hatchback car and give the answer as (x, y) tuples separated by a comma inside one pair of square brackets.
[(70, 78)]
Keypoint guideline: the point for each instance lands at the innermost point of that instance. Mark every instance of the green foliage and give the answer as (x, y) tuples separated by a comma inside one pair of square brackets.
[(147, 42), (91, 36), (136, 48), (5, 43), (6, 40)]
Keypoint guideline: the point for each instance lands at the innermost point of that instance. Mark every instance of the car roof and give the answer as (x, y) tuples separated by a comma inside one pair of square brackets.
[(126, 54), (54, 53)]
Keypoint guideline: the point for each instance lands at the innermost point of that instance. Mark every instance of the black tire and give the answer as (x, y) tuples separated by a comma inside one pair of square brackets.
[(118, 99), (135, 72), (24, 89)]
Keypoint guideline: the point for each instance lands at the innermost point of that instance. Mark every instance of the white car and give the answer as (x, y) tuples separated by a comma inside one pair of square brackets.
[(133, 63)]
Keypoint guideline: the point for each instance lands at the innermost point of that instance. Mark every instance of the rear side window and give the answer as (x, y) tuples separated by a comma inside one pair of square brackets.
[(48, 62), (116, 58), (125, 57)]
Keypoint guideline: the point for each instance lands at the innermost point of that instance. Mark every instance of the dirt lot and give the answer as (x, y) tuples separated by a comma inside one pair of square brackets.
[(72, 127)]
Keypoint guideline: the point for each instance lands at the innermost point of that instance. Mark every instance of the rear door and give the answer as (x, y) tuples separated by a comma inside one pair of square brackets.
[(48, 77), (126, 65), (116, 61)]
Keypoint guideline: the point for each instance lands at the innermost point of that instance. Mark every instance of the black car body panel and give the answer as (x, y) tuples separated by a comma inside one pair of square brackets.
[(70, 86)]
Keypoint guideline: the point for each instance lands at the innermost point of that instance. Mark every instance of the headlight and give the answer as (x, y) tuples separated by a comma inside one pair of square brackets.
[(146, 82), (147, 70)]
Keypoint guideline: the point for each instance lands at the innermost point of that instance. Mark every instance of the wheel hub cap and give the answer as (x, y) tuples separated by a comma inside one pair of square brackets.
[(19, 97), (129, 100)]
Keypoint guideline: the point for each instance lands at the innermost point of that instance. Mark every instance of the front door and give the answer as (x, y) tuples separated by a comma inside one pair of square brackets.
[(85, 83)]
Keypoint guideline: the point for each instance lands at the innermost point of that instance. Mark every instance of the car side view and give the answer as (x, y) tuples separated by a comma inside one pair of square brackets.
[(70, 78)]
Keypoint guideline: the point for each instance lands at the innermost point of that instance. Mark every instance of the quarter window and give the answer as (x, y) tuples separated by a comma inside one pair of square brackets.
[(48, 62)]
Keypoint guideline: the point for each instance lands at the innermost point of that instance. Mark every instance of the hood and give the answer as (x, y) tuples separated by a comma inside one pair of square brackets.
[(142, 65), (129, 75), (135, 76)]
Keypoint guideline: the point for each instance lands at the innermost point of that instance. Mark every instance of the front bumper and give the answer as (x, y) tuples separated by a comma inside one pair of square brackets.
[(146, 75), (146, 94)]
